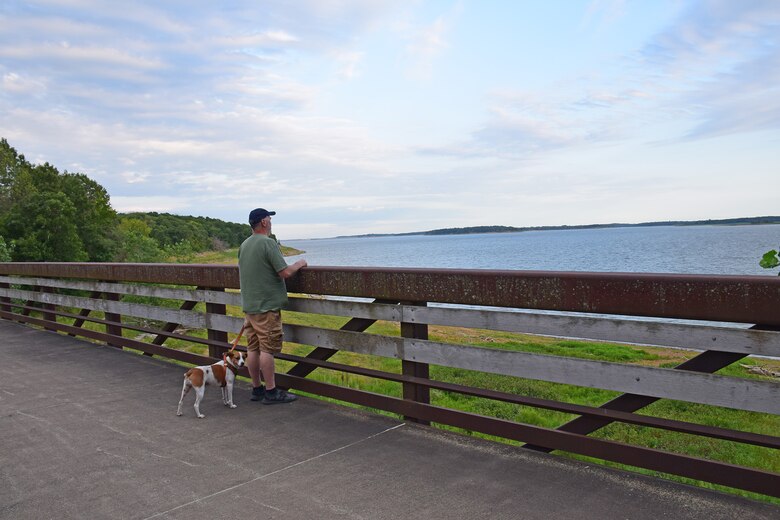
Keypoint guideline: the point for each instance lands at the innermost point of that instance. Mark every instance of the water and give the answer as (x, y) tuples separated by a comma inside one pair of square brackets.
[(662, 249)]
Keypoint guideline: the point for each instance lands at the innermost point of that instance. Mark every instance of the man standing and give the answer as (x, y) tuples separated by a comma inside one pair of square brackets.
[(262, 271)]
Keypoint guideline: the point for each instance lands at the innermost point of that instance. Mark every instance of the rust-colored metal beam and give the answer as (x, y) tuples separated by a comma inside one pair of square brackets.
[(412, 391), (205, 275), (216, 335), (745, 299)]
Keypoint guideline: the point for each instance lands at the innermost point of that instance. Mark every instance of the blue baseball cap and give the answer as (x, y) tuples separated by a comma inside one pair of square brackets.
[(258, 214)]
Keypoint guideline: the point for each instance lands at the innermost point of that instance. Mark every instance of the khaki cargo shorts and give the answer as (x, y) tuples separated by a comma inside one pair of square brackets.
[(264, 332)]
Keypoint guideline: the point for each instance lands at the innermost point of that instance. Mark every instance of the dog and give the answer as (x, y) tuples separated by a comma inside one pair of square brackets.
[(222, 373)]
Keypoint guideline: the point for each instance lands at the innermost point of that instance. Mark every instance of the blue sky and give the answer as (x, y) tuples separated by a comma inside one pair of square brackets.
[(363, 116)]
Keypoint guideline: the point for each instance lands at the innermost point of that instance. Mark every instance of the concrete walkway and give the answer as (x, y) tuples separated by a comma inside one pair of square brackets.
[(90, 432)]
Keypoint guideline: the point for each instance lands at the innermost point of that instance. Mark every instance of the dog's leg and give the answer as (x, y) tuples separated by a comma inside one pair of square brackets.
[(199, 391), (229, 393), (185, 389)]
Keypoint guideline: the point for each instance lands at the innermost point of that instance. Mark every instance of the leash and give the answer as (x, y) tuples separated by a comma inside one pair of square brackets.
[(235, 343), (238, 337)]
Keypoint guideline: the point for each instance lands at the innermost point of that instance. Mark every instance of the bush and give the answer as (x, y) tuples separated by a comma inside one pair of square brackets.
[(5, 250)]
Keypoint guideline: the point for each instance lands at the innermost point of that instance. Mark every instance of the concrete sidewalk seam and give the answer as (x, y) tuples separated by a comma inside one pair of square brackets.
[(162, 513)]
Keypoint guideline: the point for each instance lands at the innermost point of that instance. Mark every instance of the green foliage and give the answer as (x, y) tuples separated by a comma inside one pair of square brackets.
[(95, 214), (770, 260), (5, 251), (182, 251), (44, 225), (134, 243), (52, 216), (201, 233)]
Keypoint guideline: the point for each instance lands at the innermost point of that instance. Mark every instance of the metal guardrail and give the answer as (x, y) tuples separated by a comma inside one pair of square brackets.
[(63, 296)]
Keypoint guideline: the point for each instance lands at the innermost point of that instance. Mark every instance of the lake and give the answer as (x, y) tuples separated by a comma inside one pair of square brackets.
[(661, 249)]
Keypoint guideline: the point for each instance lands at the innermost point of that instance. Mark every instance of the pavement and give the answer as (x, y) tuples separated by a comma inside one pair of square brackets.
[(89, 431)]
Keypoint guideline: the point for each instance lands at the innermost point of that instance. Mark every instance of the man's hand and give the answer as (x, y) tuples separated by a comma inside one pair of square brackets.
[(292, 269)]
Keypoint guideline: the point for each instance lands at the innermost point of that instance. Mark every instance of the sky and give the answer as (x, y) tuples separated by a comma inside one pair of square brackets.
[(373, 116)]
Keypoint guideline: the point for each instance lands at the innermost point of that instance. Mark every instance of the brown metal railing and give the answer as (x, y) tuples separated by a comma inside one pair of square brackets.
[(64, 296)]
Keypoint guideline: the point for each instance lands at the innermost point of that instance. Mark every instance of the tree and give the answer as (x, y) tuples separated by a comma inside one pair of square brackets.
[(44, 224), (201, 233), (135, 244), (5, 251), (96, 216), (50, 216)]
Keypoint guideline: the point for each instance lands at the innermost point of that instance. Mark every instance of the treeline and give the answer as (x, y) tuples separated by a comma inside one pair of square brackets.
[(186, 232), (471, 230), (508, 229), (52, 216)]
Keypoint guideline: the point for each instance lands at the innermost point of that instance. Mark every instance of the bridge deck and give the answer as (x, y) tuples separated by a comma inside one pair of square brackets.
[(90, 431)]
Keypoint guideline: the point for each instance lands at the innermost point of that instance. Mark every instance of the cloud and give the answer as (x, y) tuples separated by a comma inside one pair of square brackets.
[(349, 63), (746, 99), (159, 203), (715, 71), (427, 42), (22, 85), (522, 124), (264, 39), (606, 12), (65, 52)]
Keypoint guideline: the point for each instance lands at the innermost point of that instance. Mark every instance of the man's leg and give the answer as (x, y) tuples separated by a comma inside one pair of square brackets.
[(273, 395), (253, 363), (267, 365), (254, 366)]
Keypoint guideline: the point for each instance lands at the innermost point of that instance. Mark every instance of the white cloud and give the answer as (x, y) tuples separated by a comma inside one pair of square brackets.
[(159, 203), (134, 177), (349, 63), (264, 39), (605, 11), (23, 85), (426, 43), (65, 51)]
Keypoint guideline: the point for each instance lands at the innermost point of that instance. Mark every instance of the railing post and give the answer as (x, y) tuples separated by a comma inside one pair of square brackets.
[(218, 335), (115, 330), (48, 316), (411, 391), (5, 301)]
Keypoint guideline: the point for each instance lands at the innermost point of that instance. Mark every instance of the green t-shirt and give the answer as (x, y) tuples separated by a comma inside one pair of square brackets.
[(259, 261)]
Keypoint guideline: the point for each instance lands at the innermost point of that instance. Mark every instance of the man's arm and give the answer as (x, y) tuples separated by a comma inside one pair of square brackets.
[(292, 269)]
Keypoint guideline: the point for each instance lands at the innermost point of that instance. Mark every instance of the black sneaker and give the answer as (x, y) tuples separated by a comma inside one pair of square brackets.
[(258, 393), (278, 396)]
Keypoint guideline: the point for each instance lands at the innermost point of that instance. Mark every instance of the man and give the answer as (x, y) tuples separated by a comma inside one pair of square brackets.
[(262, 271)]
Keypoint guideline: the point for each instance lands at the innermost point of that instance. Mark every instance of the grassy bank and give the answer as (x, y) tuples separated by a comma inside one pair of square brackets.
[(230, 256)]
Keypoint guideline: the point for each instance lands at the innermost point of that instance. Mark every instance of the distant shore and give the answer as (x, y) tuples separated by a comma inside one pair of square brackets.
[(510, 229)]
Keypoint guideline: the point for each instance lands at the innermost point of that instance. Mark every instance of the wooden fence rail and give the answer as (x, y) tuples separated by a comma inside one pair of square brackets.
[(127, 299)]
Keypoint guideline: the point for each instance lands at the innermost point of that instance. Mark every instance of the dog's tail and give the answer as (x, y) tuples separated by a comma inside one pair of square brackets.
[(188, 374)]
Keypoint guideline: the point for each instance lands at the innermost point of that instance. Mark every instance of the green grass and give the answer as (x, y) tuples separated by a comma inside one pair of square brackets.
[(230, 256)]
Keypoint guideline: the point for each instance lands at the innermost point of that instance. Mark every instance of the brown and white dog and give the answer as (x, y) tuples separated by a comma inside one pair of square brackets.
[(222, 373)]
